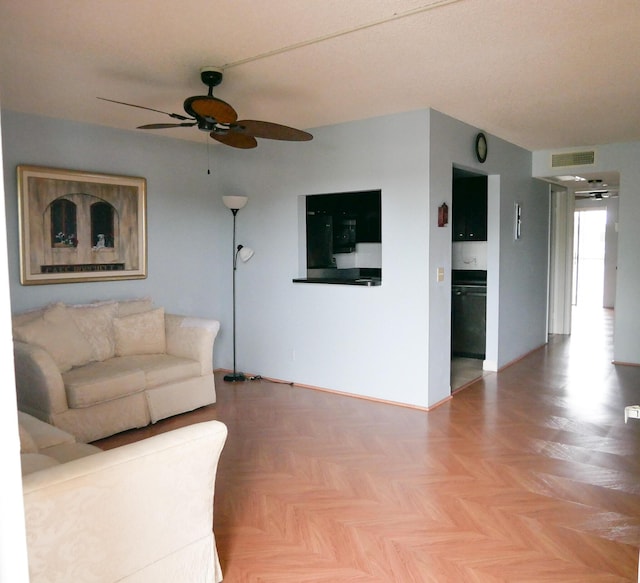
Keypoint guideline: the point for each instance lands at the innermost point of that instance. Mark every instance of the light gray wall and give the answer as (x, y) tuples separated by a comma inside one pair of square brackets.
[(389, 342), (622, 158), (523, 291), (516, 271), (362, 340), (187, 222)]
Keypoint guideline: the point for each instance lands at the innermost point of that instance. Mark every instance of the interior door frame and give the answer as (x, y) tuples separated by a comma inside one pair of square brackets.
[(560, 260)]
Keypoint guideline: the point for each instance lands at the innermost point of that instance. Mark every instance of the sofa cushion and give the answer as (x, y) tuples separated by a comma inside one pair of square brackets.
[(95, 321), (32, 462), (134, 306), (28, 316), (43, 435), (59, 335), (27, 444), (141, 333), (65, 452), (160, 369), (98, 382)]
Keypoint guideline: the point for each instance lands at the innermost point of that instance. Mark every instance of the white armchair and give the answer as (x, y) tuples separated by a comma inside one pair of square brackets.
[(139, 513)]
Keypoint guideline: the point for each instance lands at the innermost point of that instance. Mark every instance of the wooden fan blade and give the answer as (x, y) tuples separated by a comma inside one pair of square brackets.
[(161, 126), (235, 140), (270, 131), (210, 108), (173, 115)]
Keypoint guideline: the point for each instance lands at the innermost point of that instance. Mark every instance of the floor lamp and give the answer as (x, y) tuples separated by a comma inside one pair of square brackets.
[(235, 203)]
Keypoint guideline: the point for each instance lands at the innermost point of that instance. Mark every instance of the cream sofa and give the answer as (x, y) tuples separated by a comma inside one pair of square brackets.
[(97, 369), (43, 446), (139, 513)]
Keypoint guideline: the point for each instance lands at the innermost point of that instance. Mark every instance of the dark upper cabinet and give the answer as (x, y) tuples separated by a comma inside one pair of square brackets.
[(355, 218), (470, 209), (369, 223)]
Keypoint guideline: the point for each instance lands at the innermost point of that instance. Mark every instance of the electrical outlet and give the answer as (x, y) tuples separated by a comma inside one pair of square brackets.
[(440, 274)]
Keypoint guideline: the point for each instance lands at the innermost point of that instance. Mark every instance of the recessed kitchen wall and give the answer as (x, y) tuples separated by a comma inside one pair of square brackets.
[(368, 255)]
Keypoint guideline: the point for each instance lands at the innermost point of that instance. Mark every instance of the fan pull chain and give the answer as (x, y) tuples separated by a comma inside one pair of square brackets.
[(208, 155)]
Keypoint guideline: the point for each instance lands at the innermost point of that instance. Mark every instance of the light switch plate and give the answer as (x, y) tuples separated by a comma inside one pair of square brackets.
[(440, 274)]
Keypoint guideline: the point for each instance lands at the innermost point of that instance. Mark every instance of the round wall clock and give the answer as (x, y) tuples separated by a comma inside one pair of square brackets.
[(481, 147)]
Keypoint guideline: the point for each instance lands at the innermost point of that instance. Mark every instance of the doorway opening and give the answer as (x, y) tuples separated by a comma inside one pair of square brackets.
[(468, 276), (583, 249)]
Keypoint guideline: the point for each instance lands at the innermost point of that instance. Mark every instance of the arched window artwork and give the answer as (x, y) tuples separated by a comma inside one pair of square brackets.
[(64, 224), (102, 231)]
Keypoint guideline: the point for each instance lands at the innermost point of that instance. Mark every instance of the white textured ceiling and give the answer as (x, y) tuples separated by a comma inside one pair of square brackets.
[(541, 74)]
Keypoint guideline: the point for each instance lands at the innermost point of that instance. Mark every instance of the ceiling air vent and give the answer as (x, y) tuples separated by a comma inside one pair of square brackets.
[(573, 159)]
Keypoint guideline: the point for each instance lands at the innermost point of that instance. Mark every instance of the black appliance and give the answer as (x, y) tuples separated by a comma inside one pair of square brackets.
[(344, 233), (319, 241), (468, 313)]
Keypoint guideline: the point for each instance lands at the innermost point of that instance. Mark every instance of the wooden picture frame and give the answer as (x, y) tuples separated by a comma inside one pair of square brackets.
[(80, 227)]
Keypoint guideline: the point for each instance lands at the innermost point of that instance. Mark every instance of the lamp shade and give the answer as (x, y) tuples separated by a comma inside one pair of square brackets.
[(234, 202), (245, 253)]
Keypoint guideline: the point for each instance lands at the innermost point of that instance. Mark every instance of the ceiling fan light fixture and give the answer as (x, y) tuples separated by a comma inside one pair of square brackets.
[(220, 130)]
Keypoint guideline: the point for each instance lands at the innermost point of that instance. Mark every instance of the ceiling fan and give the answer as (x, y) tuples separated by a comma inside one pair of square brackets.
[(210, 114), (597, 191)]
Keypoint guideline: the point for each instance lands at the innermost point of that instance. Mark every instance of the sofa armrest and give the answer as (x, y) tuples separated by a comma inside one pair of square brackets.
[(192, 338), (39, 384), (139, 512)]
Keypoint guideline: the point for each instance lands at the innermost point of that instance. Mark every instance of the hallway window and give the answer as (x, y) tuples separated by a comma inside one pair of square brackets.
[(588, 257)]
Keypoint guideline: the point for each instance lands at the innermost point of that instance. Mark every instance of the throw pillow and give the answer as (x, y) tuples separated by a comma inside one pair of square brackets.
[(59, 335), (141, 333), (135, 306), (28, 316), (95, 321)]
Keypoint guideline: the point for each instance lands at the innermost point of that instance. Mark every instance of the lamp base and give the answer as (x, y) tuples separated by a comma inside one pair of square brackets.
[(235, 377)]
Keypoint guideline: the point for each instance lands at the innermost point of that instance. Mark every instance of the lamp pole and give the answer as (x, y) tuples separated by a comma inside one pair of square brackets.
[(234, 204), (235, 376)]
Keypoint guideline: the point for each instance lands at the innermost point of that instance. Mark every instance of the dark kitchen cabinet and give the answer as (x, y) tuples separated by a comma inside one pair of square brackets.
[(469, 209), (354, 217)]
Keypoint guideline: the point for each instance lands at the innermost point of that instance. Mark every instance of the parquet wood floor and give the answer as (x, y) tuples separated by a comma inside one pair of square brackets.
[(529, 475)]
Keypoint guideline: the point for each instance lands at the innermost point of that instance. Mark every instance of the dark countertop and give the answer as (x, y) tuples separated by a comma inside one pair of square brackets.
[(363, 276), (364, 281)]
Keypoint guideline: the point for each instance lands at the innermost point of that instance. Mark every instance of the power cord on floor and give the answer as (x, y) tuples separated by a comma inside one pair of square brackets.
[(259, 378)]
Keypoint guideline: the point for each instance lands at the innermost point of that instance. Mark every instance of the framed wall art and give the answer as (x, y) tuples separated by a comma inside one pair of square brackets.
[(79, 227)]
